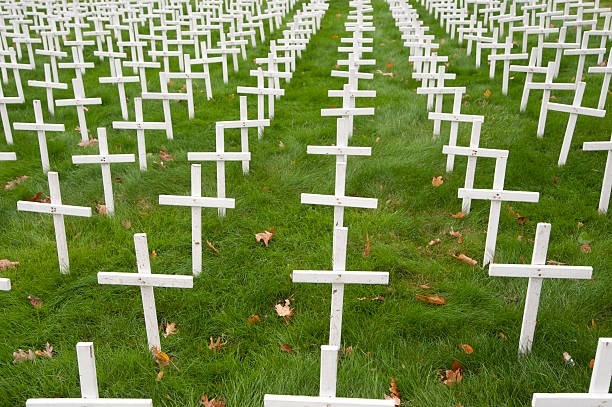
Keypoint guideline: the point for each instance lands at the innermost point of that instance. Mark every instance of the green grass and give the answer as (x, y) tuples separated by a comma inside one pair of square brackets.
[(400, 337)]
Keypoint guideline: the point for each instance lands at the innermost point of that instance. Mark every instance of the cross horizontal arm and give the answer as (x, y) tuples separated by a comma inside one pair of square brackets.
[(39, 207), (347, 74), (101, 159), (82, 101), (466, 118), (165, 96), (38, 126), (540, 271), (475, 152), (5, 284), (570, 399), (238, 124), (332, 200), (351, 92), (356, 111), (212, 156), (8, 156), (260, 91), (196, 201), (139, 125), (89, 403), (340, 277), (499, 195), (51, 85), (597, 145), (335, 150), (145, 280), (587, 111), (273, 400), (440, 91)]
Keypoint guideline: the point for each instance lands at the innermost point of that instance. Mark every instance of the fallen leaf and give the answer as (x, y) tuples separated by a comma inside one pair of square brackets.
[(212, 402), (452, 376), (162, 358), (281, 145), (568, 359), (5, 263), (37, 198), (48, 352), (435, 241), (371, 299), (160, 375), (216, 345), (585, 248), (11, 184), (170, 329), (592, 363), (432, 299), (465, 259), (126, 224), (458, 235), (101, 209), (503, 336), (467, 348), (437, 181), (265, 236), (212, 247), (391, 74), (487, 93), (88, 143), (458, 215), (425, 287), (160, 164), (594, 324), (254, 319), (35, 301), (21, 356), (389, 65), (283, 309), (153, 254), (366, 250), (555, 263), (286, 347), (164, 156), (395, 396)]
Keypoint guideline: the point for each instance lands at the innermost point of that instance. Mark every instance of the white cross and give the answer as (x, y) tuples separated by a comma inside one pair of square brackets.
[(439, 92), (146, 281), (507, 56), (196, 202), (605, 85), (49, 85), (431, 80), (4, 100), (599, 389), (455, 119), (89, 387), (5, 284), (582, 53), (141, 65), (120, 80), (204, 59), (105, 160), (79, 101), (496, 195), (165, 96), (349, 96), (40, 127), (140, 126), (606, 186), (531, 68), (58, 210), (8, 156), (547, 86), (559, 46), (189, 76), (78, 64), (574, 110), (536, 272)]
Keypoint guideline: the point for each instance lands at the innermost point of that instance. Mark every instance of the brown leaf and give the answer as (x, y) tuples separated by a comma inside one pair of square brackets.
[(212, 247), (48, 352), (432, 299), (126, 223), (169, 329), (555, 263), (458, 215), (503, 336), (160, 164), (265, 236), (159, 376), (164, 156), (101, 209), (285, 347), (281, 145), (254, 319), (434, 242), (452, 376), (35, 301), (21, 356), (366, 250), (425, 287), (5, 263), (11, 184), (467, 348), (466, 259), (154, 254), (458, 235), (283, 309), (594, 324), (487, 93), (88, 143), (37, 198), (585, 248), (592, 363), (371, 299), (216, 345), (437, 181), (212, 402), (395, 396), (162, 358)]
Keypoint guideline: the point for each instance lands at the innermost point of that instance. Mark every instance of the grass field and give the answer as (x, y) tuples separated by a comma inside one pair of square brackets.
[(398, 338)]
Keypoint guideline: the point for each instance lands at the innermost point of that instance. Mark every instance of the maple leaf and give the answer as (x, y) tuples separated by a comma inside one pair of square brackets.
[(432, 299), (216, 345), (458, 215), (162, 358), (265, 236), (437, 181), (35, 301), (283, 309), (21, 356), (212, 402), (467, 348), (585, 248), (487, 93), (253, 320), (48, 352), (366, 249), (465, 259), (212, 247), (164, 156), (285, 347), (395, 396), (5, 263), (11, 184), (169, 329), (452, 376), (458, 235), (101, 209)]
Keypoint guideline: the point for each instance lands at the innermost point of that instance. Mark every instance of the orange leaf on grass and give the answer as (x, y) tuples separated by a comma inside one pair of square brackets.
[(487, 93), (212, 247), (366, 250), (216, 345), (467, 348), (437, 181), (458, 215), (389, 65), (253, 320), (395, 396), (432, 299), (5, 263), (466, 259), (214, 402), (285, 347), (265, 236), (162, 358)]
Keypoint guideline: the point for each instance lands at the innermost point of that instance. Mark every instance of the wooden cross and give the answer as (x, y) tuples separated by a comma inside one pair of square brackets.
[(196, 202), (140, 126), (120, 80), (165, 96), (49, 85), (189, 76), (146, 281), (77, 64), (52, 52), (141, 65), (204, 59), (349, 96), (80, 101), (273, 76), (599, 388), (58, 210), (432, 81), (40, 127), (105, 160), (487, 42), (574, 110), (605, 85), (536, 272), (547, 86), (496, 195), (507, 56), (261, 91), (606, 186), (6, 124), (8, 156), (112, 56), (582, 53), (559, 46), (89, 387), (529, 69)]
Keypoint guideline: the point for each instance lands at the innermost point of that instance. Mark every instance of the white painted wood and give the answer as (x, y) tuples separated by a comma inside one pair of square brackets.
[(341, 277), (329, 371), (58, 210), (8, 156), (89, 402), (79, 101), (272, 400), (547, 86), (48, 84), (87, 370), (606, 186), (605, 85), (602, 369), (120, 81), (337, 150), (571, 400), (539, 271), (355, 202), (196, 202), (5, 284), (146, 281), (105, 159)]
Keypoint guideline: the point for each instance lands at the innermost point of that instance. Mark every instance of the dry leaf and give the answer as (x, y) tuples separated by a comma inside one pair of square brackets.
[(170, 329), (37, 198), (212, 402), (555, 263), (254, 319), (437, 181), (126, 224), (162, 358), (466, 259), (88, 143), (592, 363), (568, 359), (160, 164), (5, 263), (286, 347), (35, 301), (391, 74), (283, 309), (503, 336), (594, 324), (585, 248), (48, 352), (216, 345), (212, 247), (432, 299), (11, 184), (452, 376), (153, 254), (425, 287), (395, 396), (467, 348), (159, 376), (371, 299), (435, 241), (366, 250), (21, 356), (281, 145), (458, 215), (164, 156), (101, 209), (389, 65), (487, 93), (458, 235), (265, 236)]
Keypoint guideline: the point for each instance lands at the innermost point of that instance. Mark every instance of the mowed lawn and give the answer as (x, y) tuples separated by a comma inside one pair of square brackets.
[(400, 337)]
